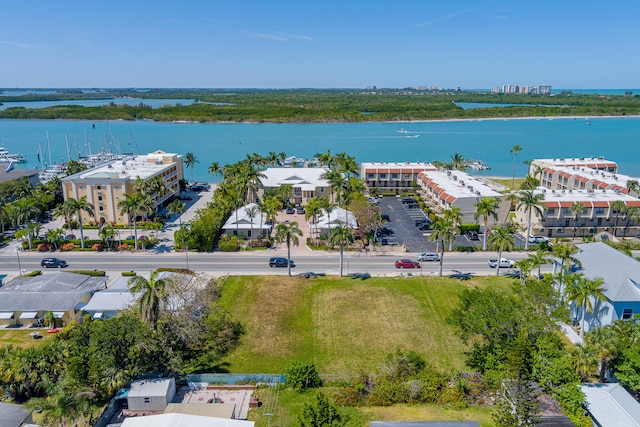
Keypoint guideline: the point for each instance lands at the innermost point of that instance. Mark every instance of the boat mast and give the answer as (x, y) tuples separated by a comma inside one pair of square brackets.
[(49, 149), (68, 154)]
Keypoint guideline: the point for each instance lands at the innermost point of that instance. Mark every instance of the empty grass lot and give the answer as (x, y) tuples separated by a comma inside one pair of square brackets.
[(344, 326)]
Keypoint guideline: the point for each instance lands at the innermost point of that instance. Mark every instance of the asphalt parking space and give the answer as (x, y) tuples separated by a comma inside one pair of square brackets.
[(403, 225)]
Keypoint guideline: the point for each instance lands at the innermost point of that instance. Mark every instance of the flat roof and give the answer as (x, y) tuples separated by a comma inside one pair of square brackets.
[(594, 198), (150, 387), (404, 166), (591, 162), (144, 166), (172, 420), (457, 184), (609, 178)]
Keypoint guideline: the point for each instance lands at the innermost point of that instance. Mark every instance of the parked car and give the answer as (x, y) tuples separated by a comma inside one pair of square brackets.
[(538, 239), (53, 263), (300, 210), (280, 262), (382, 241), (473, 235), (69, 237), (407, 263), (406, 200), (385, 217), (384, 231), (428, 256), (418, 222), (504, 263), (290, 210), (424, 226)]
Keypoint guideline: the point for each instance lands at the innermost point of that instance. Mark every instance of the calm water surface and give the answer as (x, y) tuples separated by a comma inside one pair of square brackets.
[(617, 139)]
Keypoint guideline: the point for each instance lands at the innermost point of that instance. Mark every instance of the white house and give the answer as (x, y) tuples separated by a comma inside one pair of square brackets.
[(610, 405), (337, 216), (151, 394), (242, 222), (621, 275), (306, 183)]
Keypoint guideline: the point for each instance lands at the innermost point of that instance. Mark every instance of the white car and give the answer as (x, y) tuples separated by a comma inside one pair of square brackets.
[(428, 256), (538, 239), (504, 263)]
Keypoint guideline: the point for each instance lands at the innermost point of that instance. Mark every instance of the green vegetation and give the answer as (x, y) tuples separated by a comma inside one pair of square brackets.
[(316, 105)]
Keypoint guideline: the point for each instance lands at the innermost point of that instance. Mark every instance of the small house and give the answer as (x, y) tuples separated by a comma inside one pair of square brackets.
[(151, 394)]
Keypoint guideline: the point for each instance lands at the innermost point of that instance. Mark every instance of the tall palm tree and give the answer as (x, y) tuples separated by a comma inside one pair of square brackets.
[(4, 204), (531, 202), (632, 214), (486, 207), (132, 205), (501, 239), (177, 207), (565, 253), (153, 295), (190, 161), (513, 198), (78, 206), (311, 212), (457, 162), (341, 235), (515, 150), (252, 211), (288, 233), (25, 210), (538, 259), (603, 341), (327, 206), (581, 291), (63, 210), (584, 360), (577, 209), (444, 231), (454, 215), (339, 184), (633, 186), (54, 236), (618, 207)]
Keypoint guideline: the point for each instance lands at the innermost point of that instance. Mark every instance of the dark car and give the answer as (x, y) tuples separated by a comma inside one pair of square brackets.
[(280, 262), (300, 210), (424, 226), (53, 263), (407, 263), (473, 235), (290, 210), (385, 231), (385, 217), (421, 221)]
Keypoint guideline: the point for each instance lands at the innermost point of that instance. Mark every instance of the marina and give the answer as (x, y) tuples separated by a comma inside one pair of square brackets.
[(7, 157)]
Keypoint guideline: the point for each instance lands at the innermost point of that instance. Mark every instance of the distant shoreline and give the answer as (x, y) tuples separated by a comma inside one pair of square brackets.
[(483, 119)]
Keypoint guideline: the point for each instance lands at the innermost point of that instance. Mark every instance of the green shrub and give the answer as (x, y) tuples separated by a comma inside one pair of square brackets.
[(129, 273), (228, 244), (32, 273), (303, 375), (465, 228), (96, 273), (464, 248), (177, 270)]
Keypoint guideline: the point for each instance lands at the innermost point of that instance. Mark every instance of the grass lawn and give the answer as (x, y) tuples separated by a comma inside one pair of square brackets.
[(21, 337), (344, 326), (509, 183)]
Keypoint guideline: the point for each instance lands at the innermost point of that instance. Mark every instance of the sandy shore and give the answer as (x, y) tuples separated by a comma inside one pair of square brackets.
[(482, 119)]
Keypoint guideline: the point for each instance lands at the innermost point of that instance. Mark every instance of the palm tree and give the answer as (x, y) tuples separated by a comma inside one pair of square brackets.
[(132, 205), (339, 184), (177, 207), (632, 214), (288, 233), (4, 204), (564, 252), (539, 258), (584, 360), (501, 239), (107, 233), (581, 290), (486, 207), (78, 206), (531, 202), (154, 294), (312, 210), (252, 211), (618, 207), (327, 206), (25, 210), (190, 161), (341, 234), (457, 162), (633, 186), (445, 231), (54, 236), (515, 150), (454, 215), (63, 210), (603, 341), (577, 209), (513, 198)]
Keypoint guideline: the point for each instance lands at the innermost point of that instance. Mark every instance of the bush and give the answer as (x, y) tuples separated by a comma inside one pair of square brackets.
[(128, 273), (31, 274), (176, 270), (303, 375), (465, 228), (97, 247), (464, 249), (124, 247), (44, 247), (95, 273), (228, 244), (67, 246)]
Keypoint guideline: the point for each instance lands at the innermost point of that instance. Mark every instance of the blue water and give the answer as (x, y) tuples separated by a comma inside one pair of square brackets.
[(616, 139)]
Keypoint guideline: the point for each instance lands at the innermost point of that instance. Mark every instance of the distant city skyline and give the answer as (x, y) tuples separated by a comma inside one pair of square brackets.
[(329, 44)]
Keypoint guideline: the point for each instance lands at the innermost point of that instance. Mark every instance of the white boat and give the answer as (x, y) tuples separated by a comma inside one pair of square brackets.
[(7, 157), (403, 130), (477, 165)]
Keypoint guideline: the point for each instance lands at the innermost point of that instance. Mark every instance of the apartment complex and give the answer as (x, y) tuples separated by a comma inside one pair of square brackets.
[(306, 183), (106, 185), (581, 174), (558, 218), (445, 189), (393, 177)]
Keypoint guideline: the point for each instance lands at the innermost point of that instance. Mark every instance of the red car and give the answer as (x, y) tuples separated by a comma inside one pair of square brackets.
[(407, 263)]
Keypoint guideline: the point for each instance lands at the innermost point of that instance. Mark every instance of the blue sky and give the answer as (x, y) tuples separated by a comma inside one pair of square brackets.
[(320, 44)]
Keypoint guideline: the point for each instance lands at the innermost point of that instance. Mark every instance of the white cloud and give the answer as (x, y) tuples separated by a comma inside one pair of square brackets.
[(280, 36), (20, 45)]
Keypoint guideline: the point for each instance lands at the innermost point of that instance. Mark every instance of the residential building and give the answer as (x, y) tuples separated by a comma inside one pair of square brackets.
[(242, 222), (106, 185), (153, 394), (610, 405), (599, 215), (393, 177), (306, 183), (337, 216), (597, 163), (621, 287), (15, 415), (175, 420), (13, 174), (444, 189), (25, 300)]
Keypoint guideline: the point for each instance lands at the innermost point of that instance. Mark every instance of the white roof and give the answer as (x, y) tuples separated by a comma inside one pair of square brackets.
[(307, 179), (612, 180), (590, 162), (180, 420), (110, 300), (337, 215), (585, 196), (28, 315), (611, 405), (144, 166), (150, 387), (6, 315), (458, 184), (244, 220), (413, 166)]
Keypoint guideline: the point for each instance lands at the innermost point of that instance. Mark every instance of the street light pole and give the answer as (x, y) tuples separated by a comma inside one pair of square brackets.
[(19, 266)]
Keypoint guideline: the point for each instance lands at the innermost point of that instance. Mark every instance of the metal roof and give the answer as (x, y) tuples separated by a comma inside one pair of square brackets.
[(620, 272), (611, 405)]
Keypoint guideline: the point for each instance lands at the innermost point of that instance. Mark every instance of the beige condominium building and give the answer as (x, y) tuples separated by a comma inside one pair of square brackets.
[(445, 189), (393, 177), (598, 214), (106, 185), (306, 183)]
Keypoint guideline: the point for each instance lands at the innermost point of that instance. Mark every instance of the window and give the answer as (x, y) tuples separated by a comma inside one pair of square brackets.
[(627, 313), (99, 187), (371, 175), (147, 400), (383, 176), (99, 198), (599, 211), (394, 176), (551, 211), (566, 211), (101, 208)]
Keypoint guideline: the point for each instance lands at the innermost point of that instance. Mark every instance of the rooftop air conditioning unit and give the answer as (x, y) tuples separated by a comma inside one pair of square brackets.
[(604, 190), (544, 191), (553, 191), (455, 178), (477, 193), (570, 191)]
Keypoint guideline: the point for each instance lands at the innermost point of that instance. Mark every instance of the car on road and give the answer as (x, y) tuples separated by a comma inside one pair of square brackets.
[(280, 262), (428, 256), (407, 263), (538, 239), (53, 263), (504, 263)]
